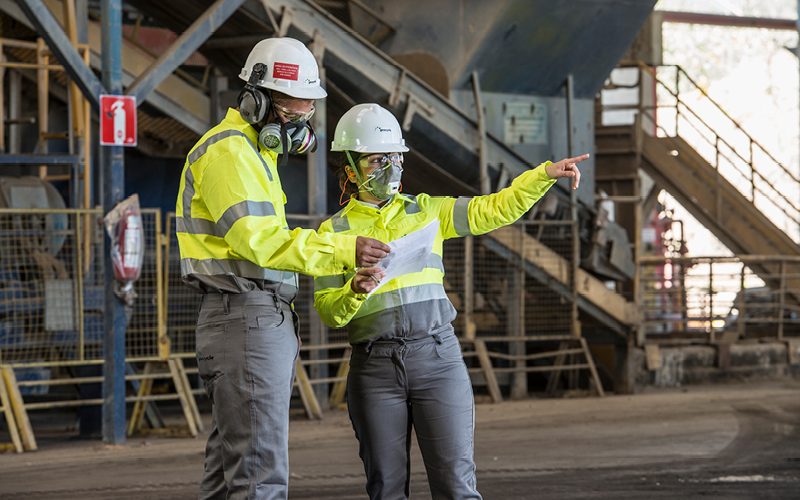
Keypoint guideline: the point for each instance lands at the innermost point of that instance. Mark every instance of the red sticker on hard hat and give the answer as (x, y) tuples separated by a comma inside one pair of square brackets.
[(285, 71)]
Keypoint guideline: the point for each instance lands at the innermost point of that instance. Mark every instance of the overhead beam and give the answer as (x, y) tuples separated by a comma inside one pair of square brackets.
[(50, 30), (182, 48), (232, 42), (735, 21)]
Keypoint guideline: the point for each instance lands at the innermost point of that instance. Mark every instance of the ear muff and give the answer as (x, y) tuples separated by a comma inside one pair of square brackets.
[(253, 103)]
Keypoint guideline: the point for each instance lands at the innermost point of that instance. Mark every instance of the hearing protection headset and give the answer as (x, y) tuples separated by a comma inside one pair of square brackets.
[(253, 103)]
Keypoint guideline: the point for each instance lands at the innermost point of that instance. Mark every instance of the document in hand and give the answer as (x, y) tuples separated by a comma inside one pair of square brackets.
[(409, 254)]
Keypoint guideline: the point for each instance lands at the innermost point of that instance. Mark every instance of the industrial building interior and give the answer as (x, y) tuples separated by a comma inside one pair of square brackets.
[(594, 292)]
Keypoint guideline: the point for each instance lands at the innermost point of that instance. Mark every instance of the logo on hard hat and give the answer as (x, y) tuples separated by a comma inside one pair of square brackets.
[(378, 129)]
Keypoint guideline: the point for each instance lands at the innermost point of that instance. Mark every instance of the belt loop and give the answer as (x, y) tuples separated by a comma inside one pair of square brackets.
[(437, 338), (368, 347), (226, 304), (400, 340), (278, 307)]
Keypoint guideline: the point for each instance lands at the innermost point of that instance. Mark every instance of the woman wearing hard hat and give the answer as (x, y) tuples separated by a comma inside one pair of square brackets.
[(406, 367)]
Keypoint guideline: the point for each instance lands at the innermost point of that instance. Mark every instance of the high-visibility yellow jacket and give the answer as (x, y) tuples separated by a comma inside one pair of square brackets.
[(231, 224), (414, 305)]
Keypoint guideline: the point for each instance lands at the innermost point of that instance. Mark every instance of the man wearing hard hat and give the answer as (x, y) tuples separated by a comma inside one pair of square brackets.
[(236, 249)]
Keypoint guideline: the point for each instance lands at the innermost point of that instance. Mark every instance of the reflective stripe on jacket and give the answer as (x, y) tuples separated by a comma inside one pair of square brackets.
[(231, 224), (413, 305)]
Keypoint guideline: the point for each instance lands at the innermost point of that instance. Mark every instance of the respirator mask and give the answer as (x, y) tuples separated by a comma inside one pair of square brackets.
[(293, 136), (384, 180)]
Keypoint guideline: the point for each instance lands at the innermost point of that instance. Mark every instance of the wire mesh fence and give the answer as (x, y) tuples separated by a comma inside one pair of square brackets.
[(181, 302), (50, 295), (524, 279), (525, 289), (52, 288), (142, 334)]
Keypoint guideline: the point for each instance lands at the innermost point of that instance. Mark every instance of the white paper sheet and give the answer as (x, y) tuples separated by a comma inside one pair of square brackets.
[(409, 254)]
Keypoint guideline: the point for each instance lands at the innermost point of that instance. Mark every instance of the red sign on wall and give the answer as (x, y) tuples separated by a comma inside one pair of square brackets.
[(117, 120)]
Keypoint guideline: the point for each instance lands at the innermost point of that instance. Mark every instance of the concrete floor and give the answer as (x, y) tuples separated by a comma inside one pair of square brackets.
[(728, 441)]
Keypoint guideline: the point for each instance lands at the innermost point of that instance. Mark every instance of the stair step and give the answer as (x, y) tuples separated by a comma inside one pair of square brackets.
[(615, 151), (614, 130)]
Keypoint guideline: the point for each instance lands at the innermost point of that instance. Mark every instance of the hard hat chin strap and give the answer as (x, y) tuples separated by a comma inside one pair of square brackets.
[(361, 183)]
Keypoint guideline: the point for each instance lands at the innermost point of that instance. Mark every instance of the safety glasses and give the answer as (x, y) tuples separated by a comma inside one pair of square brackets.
[(378, 161), (293, 116)]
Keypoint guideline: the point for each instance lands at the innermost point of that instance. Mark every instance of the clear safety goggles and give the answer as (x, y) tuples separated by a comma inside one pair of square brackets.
[(378, 161), (293, 116)]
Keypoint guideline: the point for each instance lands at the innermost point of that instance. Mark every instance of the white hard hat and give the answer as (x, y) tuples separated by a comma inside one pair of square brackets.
[(291, 68), (368, 128)]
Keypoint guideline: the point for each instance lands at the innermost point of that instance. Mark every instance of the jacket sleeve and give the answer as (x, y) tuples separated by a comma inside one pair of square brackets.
[(480, 214), (235, 190), (334, 298)]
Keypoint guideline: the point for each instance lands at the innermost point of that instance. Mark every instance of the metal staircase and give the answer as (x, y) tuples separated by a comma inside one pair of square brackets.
[(726, 180)]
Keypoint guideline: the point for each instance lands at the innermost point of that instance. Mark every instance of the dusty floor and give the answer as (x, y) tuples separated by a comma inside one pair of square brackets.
[(731, 441)]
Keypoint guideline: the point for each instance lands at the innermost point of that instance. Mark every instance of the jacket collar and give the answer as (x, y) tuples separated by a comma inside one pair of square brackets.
[(359, 206)]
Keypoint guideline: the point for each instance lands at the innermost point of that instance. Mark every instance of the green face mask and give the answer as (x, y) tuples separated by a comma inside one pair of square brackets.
[(383, 181)]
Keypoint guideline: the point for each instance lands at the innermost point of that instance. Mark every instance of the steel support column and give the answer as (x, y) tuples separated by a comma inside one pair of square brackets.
[(49, 28), (14, 145), (194, 36), (113, 171)]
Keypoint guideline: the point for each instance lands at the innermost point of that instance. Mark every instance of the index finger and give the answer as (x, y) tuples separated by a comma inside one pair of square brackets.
[(577, 158)]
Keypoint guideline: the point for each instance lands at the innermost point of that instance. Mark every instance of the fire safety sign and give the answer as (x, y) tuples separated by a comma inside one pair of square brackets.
[(117, 120)]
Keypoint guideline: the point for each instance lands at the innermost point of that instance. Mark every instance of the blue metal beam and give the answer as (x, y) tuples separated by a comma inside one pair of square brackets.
[(113, 176), (182, 48), (37, 159), (53, 34)]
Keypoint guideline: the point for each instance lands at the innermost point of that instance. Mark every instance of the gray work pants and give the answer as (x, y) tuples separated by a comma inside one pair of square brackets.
[(247, 349), (394, 384)]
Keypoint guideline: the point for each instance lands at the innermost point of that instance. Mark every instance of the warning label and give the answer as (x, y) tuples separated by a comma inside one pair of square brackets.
[(286, 71)]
